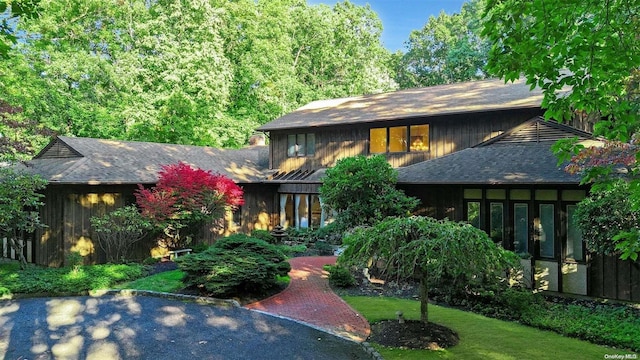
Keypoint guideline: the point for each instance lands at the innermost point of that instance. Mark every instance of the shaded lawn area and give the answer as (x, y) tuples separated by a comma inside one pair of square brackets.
[(168, 281), (63, 281), (480, 337)]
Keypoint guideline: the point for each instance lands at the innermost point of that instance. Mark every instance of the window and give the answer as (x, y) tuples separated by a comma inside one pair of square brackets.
[(302, 211), (419, 138), (301, 145), (496, 228), (378, 141), (473, 213), (521, 228), (546, 230), (574, 236), (399, 139)]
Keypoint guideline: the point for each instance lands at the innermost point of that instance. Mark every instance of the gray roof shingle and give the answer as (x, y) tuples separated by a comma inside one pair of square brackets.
[(130, 162), (525, 163), (466, 97)]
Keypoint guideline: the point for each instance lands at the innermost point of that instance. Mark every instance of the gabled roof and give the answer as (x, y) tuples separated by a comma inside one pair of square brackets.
[(520, 156), (70, 160), (460, 98)]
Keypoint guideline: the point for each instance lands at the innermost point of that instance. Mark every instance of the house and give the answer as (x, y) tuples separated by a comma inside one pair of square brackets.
[(474, 151), (89, 177)]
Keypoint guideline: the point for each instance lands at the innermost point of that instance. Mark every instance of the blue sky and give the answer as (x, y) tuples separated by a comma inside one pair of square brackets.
[(400, 17)]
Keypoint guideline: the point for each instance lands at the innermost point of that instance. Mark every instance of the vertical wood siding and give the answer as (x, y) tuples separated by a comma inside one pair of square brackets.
[(447, 135)]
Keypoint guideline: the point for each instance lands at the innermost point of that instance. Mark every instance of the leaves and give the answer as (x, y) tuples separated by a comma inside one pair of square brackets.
[(362, 191), (185, 198)]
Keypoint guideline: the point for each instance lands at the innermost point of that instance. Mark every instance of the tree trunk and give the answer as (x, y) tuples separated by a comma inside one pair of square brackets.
[(17, 247), (424, 299)]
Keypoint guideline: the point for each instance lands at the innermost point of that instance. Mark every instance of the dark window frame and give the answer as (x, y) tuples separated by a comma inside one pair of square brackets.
[(407, 140), (304, 148)]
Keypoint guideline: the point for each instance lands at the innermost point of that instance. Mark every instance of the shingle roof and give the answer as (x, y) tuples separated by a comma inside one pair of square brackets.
[(69, 160), (487, 95), (526, 163), (520, 156)]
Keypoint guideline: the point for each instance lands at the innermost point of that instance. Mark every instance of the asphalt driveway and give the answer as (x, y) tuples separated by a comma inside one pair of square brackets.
[(143, 327)]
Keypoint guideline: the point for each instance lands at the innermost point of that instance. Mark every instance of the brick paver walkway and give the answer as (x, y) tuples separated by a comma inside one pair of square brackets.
[(309, 299)]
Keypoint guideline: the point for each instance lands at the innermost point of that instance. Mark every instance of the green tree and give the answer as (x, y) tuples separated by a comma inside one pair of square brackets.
[(118, 230), (361, 190), (446, 50), (604, 214), (19, 202), (431, 251), (590, 47)]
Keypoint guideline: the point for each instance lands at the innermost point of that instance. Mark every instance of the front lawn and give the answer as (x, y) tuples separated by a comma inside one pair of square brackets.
[(168, 281), (480, 337), (63, 281)]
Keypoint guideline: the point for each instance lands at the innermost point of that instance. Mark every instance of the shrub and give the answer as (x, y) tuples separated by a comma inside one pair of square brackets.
[(186, 198), (323, 248), (235, 265), (118, 230), (199, 247), (264, 235), (340, 276), (362, 191), (150, 261)]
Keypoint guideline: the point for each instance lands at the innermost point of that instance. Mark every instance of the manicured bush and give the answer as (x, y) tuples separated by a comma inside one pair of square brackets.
[(323, 248), (340, 276), (235, 265), (264, 235), (118, 230)]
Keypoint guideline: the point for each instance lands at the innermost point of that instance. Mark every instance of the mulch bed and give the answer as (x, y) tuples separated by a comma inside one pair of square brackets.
[(413, 334)]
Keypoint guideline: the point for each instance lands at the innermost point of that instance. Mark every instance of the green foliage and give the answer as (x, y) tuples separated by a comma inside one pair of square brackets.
[(323, 248), (604, 214), (199, 247), (482, 337), (362, 191), (234, 265), (218, 70), (446, 50), (591, 48), (151, 261), (339, 276), (118, 230), (293, 250), (437, 252), (65, 281), (73, 260), (264, 235), (166, 281), (19, 202)]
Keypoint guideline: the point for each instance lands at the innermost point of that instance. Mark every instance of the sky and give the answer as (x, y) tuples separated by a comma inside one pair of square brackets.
[(400, 17)]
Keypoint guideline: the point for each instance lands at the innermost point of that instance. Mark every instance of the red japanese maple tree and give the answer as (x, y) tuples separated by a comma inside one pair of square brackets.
[(186, 198)]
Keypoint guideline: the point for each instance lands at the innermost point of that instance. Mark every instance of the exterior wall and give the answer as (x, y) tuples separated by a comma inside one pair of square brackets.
[(260, 210), (68, 210), (598, 276), (446, 135)]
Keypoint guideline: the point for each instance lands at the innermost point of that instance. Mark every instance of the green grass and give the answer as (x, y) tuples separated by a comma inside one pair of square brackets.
[(168, 281), (63, 281), (480, 337)]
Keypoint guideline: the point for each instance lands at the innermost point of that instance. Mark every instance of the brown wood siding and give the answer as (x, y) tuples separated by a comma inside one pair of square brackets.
[(447, 135), (49, 245), (258, 211), (437, 201), (610, 277)]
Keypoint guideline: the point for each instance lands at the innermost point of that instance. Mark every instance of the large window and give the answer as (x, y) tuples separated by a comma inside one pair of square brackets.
[(302, 211), (546, 230), (574, 236), (399, 139), (521, 228), (301, 145)]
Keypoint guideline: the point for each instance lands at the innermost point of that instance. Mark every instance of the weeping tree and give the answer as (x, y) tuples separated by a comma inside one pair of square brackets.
[(19, 203), (431, 251)]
